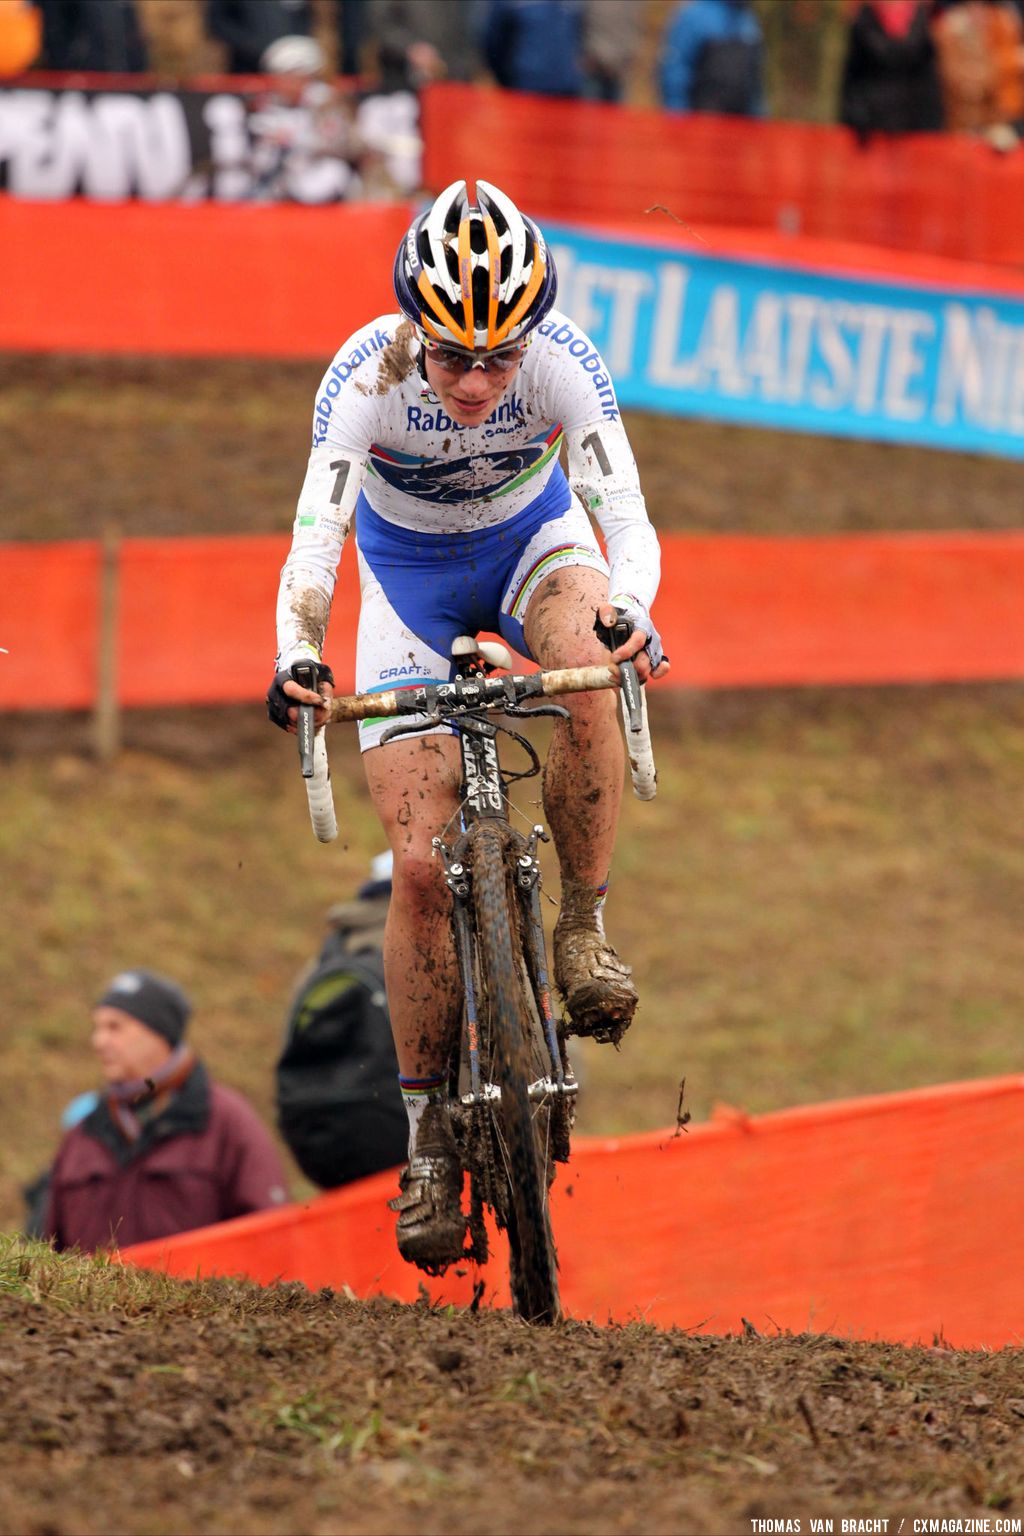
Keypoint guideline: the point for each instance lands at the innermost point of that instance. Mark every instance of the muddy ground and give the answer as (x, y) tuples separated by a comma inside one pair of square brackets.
[(220, 1408)]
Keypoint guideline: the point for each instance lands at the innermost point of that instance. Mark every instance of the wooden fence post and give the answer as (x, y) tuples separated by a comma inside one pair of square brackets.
[(107, 711)]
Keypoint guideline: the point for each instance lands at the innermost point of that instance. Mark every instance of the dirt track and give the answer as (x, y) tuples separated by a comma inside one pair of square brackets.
[(220, 1408)]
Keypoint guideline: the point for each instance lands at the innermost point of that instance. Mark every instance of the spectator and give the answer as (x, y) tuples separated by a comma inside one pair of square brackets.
[(248, 27), (353, 31), (100, 36), (712, 59), (305, 148), (21, 36), (981, 64), (339, 1105), (536, 45), (165, 1150), (418, 43), (890, 81), (37, 1193), (611, 38)]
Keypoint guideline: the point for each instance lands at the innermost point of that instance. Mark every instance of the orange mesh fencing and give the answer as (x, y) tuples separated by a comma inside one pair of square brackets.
[(264, 282), (196, 620), (195, 616), (49, 623), (948, 194), (897, 1217), (870, 608)]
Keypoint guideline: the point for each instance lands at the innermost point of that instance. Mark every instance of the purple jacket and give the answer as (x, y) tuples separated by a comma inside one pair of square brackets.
[(205, 1158)]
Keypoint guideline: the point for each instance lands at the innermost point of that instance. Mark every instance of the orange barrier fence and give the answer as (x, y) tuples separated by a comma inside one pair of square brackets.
[(249, 281), (285, 281), (898, 1217), (49, 622), (948, 194), (194, 616)]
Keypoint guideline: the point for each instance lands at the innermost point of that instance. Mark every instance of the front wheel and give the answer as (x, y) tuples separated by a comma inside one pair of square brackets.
[(521, 1125)]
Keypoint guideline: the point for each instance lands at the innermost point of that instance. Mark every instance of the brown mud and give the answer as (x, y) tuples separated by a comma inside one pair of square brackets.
[(222, 1408)]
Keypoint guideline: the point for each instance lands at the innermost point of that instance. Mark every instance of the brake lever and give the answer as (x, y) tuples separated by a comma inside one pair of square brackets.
[(305, 675), (614, 635)]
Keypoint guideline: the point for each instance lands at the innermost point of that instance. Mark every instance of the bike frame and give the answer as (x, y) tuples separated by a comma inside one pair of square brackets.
[(484, 799)]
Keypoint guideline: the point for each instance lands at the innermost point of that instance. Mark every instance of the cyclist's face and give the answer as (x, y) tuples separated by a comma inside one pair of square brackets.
[(469, 395), (126, 1049)]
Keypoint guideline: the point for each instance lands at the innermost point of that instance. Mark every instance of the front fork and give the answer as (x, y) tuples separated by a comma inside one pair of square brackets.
[(527, 881)]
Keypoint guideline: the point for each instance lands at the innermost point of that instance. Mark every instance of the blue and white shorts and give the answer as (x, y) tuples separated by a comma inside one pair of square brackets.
[(421, 590)]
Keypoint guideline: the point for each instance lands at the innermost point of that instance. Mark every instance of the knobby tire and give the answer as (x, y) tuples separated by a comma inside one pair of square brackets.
[(533, 1265)]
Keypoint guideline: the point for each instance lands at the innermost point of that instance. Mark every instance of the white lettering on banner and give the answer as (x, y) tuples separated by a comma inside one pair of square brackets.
[(114, 146), (829, 394), (23, 117), (794, 348), (905, 363), (225, 118), (762, 355), (624, 287), (801, 312), (981, 370), (719, 348), (664, 366), (871, 325)]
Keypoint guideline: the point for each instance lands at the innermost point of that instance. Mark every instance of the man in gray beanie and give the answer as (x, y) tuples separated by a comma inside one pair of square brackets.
[(165, 1150)]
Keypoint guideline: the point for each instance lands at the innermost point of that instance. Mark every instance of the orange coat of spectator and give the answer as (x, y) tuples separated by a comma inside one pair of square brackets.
[(981, 63), (21, 36)]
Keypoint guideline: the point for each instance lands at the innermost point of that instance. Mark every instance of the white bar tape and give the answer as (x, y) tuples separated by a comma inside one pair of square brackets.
[(320, 794), (641, 755)]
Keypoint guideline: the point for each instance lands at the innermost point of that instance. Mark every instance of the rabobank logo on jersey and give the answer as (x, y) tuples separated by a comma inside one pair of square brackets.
[(337, 376), (430, 417), (588, 360)]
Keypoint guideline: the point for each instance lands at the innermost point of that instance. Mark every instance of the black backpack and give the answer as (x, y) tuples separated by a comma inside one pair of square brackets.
[(339, 1107)]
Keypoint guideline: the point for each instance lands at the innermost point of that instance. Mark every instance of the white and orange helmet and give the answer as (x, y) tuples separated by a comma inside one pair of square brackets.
[(477, 276)]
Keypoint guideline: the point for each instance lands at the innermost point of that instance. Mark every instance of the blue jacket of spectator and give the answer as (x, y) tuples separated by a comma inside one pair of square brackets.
[(536, 45), (691, 31)]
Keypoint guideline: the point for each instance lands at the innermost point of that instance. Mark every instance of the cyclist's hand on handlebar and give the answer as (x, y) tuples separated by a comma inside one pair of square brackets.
[(285, 694), (643, 648)]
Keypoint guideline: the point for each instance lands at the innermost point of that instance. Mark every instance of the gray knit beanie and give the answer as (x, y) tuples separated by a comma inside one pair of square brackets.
[(155, 1001)]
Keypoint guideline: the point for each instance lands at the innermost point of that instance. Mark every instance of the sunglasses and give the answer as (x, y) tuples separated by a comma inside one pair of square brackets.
[(452, 360)]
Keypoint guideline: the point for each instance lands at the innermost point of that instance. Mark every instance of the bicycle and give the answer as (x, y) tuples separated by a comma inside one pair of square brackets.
[(512, 1090)]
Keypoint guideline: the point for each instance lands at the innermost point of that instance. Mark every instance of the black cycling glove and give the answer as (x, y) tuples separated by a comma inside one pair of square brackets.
[(278, 702)]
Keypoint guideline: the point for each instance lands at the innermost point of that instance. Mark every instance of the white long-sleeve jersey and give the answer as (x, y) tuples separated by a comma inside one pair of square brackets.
[(379, 429)]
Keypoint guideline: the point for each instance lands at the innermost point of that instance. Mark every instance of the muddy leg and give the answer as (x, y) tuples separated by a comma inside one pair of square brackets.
[(582, 795), (414, 788), (584, 772)]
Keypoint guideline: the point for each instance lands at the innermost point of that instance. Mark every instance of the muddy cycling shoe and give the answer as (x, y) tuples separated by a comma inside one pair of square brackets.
[(600, 998), (431, 1227)]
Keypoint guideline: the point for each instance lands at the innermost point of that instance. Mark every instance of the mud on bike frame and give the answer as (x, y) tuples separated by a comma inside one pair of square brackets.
[(512, 1089)]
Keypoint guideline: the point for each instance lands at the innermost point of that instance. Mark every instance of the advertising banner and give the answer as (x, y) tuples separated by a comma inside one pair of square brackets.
[(229, 144), (688, 332)]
